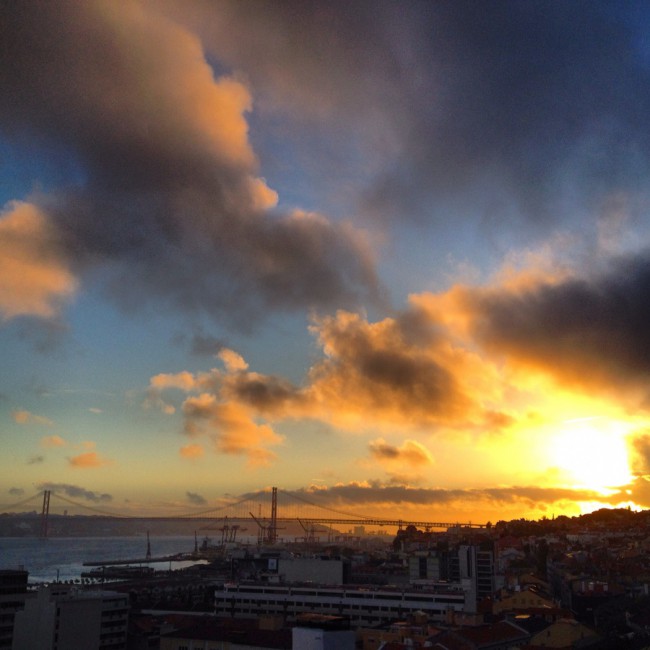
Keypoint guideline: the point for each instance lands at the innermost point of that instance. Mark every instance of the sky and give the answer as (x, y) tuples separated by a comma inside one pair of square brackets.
[(390, 257)]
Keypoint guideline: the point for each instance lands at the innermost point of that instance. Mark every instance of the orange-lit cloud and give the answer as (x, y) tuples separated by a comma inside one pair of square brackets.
[(586, 331), (35, 279), (172, 179), (53, 441), (192, 451), (25, 417), (410, 453), (404, 464), (88, 460), (231, 427), (181, 380)]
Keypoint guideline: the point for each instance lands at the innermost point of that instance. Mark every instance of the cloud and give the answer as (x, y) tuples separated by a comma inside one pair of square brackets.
[(405, 371), (53, 441), (22, 416), (16, 492), (205, 345), (410, 453), (195, 499), (584, 330), (76, 492), (171, 197), (35, 279), (181, 380), (641, 448), (87, 460), (192, 451), (36, 460), (434, 504), (507, 113), (231, 428)]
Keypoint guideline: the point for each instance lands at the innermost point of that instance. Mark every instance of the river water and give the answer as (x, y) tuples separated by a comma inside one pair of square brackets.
[(62, 558)]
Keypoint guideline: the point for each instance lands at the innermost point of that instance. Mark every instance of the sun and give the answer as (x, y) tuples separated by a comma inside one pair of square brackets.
[(592, 453)]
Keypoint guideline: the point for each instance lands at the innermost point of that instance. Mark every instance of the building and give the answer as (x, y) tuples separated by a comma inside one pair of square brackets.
[(320, 570), (208, 633), (362, 606), (425, 567), (473, 567), (499, 636), (318, 632), (64, 618), (564, 633), (522, 599), (13, 592)]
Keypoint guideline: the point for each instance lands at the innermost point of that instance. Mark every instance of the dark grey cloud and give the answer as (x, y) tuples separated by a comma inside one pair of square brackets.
[(206, 345), (76, 492), (510, 114), (591, 331), (167, 192), (377, 492), (35, 460), (195, 499), (16, 492), (267, 394), (384, 450)]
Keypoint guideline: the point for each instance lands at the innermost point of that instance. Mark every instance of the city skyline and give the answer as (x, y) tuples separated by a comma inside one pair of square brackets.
[(392, 256)]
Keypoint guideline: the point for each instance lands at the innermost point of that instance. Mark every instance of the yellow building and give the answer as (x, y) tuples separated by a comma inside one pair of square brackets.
[(562, 634), (524, 599)]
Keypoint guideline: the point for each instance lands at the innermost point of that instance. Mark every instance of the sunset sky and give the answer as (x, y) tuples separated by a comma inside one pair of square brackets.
[(390, 256)]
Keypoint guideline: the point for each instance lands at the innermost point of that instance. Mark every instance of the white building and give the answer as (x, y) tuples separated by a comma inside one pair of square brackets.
[(64, 618), (362, 606)]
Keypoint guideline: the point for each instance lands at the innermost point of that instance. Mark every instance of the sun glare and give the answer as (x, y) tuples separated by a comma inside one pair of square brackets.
[(592, 453)]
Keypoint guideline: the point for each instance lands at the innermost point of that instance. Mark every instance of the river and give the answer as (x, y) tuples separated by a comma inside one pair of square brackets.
[(62, 558)]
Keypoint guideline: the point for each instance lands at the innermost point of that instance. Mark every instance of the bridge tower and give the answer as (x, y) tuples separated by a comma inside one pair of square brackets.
[(273, 526), (45, 513)]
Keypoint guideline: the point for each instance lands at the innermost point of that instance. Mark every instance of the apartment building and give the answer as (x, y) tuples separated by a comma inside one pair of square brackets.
[(362, 606), (64, 618)]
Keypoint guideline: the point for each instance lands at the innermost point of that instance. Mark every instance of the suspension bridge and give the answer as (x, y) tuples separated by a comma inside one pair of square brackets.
[(268, 511)]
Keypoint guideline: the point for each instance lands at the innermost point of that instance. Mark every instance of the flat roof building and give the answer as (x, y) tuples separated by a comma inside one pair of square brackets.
[(65, 618)]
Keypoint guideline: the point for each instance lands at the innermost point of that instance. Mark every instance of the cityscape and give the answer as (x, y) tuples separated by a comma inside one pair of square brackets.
[(324, 324), (566, 582)]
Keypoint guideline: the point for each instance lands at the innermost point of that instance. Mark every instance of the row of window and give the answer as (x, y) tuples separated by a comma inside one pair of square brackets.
[(368, 595), (246, 605)]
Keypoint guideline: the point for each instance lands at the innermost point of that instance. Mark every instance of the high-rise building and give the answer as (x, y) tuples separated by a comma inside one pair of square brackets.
[(13, 591), (474, 569)]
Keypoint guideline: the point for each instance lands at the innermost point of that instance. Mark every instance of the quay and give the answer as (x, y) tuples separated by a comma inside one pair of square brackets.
[(178, 557)]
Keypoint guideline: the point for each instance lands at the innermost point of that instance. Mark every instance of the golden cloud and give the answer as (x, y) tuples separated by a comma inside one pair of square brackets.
[(411, 452), (35, 279), (87, 460), (21, 416), (192, 451), (53, 441)]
